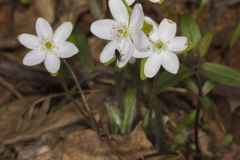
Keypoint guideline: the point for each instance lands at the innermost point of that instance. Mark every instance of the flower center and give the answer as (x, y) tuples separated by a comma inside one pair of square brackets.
[(49, 45), (121, 31), (158, 46)]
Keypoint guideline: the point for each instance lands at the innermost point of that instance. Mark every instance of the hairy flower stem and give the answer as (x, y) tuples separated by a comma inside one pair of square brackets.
[(68, 93), (137, 83), (119, 82), (158, 117), (87, 108), (197, 125)]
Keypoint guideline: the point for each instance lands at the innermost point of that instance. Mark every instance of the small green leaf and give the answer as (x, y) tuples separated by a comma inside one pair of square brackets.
[(235, 36), (208, 86), (114, 116), (142, 75), (166, 79), (79, 39), (221, 74), (190, 29), (192, 86), (129, 111), (205, 43), (228, 138), (55, 74), (147, 28)]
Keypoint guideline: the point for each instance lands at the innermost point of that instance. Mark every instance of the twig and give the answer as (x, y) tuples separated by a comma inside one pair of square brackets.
[(78, 107), (88, 109), (11, 88)]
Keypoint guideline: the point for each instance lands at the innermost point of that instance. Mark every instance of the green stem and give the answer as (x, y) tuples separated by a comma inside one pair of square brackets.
[(158, 117)]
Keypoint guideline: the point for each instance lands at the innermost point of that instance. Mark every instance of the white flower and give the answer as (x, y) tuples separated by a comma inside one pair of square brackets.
[(163, 48), (48, 46), (124, 32), (130, 2)]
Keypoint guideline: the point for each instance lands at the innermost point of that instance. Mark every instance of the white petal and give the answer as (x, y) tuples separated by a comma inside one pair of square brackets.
[(119, 11), (103, 29), (154, 1), (66, 50), (152, 65), (63, 32), (141, 54), (130, 2), (126, 49), (154, 35), (167, 30), (43, 28), (52, 63), (108, 51), (137, 17), (28, 40), (34, 57), (178, 44), (140, 40), (170, 62)]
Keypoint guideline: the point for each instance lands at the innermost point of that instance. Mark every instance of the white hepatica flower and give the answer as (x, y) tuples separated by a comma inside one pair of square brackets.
[(163, 48), (124, 32), (48, 46), (130, 2)]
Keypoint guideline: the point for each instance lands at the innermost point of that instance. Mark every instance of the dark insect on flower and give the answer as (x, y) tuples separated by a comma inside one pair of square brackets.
[(118, 55)]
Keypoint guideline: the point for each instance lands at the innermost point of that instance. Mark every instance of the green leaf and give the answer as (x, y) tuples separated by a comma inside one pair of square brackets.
[(201, 8), (190, 29), (192, 86), (25, 2), (205, 43), (235, 36), (208, 86), (146, 119), (114, 116), (221, 74), (129, 111), (79, 39), (166, 79), (142, 75)]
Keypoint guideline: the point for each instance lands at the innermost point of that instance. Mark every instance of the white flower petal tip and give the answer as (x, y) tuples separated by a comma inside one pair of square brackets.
[(28, 40), (152, 65), (52, 63), (167, 29), (103, 29), (178, 44), (170, 62), (43, 28), (33, 57), (118, 11), (137, 17), (108, 51), (67, 50), (63, 32)]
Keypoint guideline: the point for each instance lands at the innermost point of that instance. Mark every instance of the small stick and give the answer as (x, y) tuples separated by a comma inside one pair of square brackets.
[(88, 109)]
